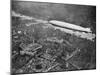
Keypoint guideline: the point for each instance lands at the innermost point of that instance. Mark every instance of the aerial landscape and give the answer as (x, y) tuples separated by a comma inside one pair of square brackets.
[(52, 37)]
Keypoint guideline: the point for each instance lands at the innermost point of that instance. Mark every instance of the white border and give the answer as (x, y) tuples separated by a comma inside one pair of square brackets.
[(5, 37), (84, 2)]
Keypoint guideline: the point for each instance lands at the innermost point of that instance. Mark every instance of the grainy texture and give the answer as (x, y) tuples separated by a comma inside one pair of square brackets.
[(38, 46)]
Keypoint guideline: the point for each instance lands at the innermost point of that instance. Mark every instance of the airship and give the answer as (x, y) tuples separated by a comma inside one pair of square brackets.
[(69, 25)]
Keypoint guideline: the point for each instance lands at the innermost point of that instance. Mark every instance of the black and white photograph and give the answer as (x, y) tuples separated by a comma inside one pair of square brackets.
[(52, 37)]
